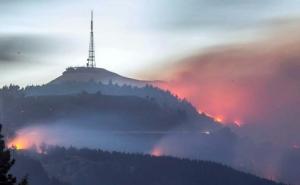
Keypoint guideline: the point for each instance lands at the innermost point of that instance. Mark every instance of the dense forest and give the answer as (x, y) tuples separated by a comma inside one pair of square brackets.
[(125, 108), (86, 166), (90, 109)]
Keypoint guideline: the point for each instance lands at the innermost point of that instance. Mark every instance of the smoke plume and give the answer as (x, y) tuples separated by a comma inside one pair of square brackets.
[(256, 85)]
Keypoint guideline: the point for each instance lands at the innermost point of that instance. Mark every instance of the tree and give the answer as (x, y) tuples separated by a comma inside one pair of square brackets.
[(6, 162)]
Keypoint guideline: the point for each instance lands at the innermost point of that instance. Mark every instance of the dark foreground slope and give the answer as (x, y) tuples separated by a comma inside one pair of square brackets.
[(27, 166), (85, 167)]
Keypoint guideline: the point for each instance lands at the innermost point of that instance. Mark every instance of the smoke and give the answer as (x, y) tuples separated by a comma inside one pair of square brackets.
[(83, 134), (215, 145), (290, 166), (219, 144), (26, 48), (256, 84), (263, 159)]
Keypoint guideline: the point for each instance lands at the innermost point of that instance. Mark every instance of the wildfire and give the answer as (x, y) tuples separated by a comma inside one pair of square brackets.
[(156, 152), (220, 108), (219, 119), (25, 139), (19, 143)]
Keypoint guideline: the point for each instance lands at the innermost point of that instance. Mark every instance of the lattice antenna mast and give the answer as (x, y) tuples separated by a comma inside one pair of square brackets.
[(91, 60)]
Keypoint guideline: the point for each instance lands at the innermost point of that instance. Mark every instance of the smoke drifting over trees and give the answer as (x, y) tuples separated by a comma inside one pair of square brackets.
[(255, 84), (164, 126), (85, 166)]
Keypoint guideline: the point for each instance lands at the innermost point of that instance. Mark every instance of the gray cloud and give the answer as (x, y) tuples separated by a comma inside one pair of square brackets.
[(175, 14), (24, 48), (256, 84), (227, 14)]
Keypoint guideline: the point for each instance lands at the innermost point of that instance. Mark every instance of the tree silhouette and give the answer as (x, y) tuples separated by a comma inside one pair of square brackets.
[(6, 162)]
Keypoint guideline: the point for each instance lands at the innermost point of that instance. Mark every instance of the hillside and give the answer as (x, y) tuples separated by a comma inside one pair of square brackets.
[(84, 74), (135, 122), (146, 108), (85, 167), (27, 166)]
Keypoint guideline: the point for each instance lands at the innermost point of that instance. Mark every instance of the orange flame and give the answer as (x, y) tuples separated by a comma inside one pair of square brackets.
[(219, 106), (156, 152), (219, 119), (26, 139), (19, 143)]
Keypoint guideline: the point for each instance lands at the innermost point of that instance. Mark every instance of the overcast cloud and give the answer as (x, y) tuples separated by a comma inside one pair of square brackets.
[(130, 35)]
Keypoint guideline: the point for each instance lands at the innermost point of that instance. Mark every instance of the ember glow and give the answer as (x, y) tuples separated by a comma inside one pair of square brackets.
[(156, 152), (252, 84), (217, 109), (219, 119), (19, 143), (31, 138), (24, 140), (220, 107)]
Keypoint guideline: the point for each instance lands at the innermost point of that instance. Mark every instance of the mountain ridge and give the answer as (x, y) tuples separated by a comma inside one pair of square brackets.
[(86, 74)]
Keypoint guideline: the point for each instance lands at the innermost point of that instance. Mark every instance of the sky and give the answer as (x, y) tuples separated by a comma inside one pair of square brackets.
[(39, 39)]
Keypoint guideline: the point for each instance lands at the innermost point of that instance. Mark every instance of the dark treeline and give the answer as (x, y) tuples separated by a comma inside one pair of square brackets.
[(6, 162), (164, 98), (33, 169), (85, 167), (142, 108)]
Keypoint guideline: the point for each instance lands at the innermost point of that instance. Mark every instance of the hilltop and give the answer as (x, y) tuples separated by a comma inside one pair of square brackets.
[(87, 74)]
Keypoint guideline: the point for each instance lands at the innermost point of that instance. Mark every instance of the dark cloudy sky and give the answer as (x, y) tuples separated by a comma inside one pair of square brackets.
[(39, 38)]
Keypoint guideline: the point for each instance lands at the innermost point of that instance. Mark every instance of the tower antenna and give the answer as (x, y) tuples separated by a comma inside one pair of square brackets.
[(91, 60)]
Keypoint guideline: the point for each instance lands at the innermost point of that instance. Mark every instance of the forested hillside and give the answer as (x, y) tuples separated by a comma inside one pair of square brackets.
[(85, 167), (125, 108)]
